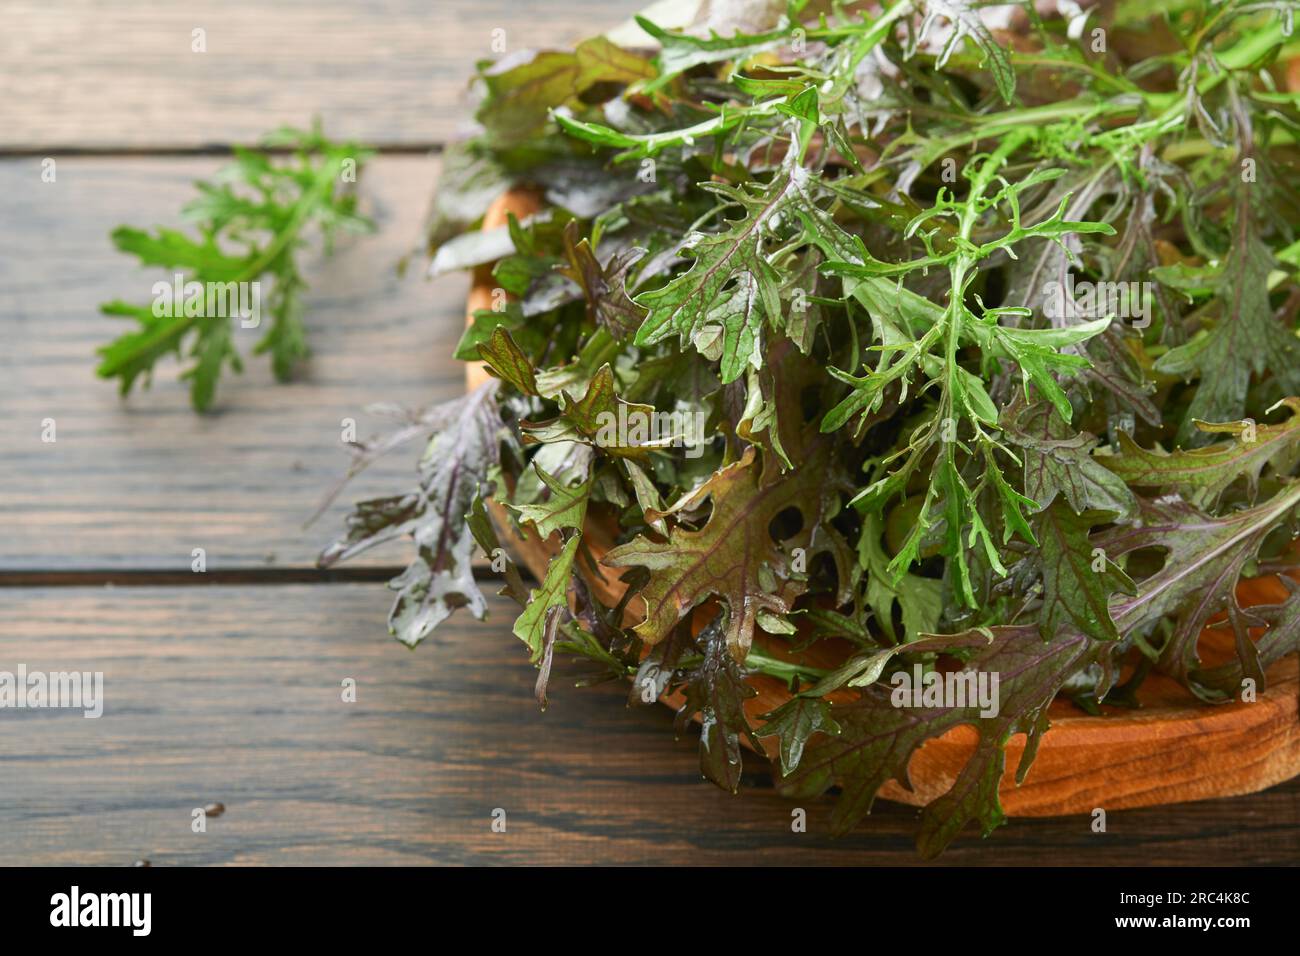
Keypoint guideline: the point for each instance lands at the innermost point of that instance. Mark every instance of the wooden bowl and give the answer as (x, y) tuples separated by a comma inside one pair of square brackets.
[(1172, 749)]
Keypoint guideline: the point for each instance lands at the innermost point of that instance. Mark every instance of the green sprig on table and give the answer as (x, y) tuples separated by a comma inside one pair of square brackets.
[(249, 226)]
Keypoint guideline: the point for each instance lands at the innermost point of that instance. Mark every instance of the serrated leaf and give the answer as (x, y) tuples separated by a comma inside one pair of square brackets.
[(1191, 591), (603, 286), (440, 578), (727, 558), (731, 284), (878, 737), (1077, 584), (1036, 352), (716, 690), (507, 360), (524, 86), (964, 20), (1246, 339), (1201, 474), (240, 266), (1060, 462)]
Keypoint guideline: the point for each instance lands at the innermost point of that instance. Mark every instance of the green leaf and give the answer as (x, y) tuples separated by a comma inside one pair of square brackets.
[(600, 418), (240, 266), (508, 361), (1036, 352), (532, 623), (919, 600), (565, 508), (680, 52), (1202, 474), (732, 286), (794, 722), (1077, 583), (603, 286), (485, 536)]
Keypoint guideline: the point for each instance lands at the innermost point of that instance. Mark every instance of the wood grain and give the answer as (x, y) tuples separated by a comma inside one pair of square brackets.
[(233, 695), (81, 75), (141, 482)]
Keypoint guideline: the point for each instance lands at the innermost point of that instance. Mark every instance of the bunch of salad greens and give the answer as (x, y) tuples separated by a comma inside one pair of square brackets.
[(986, 318)]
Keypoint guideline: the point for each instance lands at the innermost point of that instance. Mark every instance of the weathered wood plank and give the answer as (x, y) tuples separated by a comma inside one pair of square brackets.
[(233, 695), (94, 75), (141, 483)]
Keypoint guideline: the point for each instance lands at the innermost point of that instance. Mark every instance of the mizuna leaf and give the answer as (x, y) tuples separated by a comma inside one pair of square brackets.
[(1037, 352), (565, 508), (732, 555), (504, 357), (603, 286), (880, 732), (1245, 337), (1205, 558), (919, 600), (716, 690), (1059, 462), (1282, 637), (531, 625), (679, 52), (600, 418), (242, 264), (732, 285), (524, 86), (794, 722), (964, 20), (485, 535), (1201, 474), (454, 466), (1077, 584)]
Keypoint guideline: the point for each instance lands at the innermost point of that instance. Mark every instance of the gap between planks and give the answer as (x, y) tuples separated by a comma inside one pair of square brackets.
[(171, 577)]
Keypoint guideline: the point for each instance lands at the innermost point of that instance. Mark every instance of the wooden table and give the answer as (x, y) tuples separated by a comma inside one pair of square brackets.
[(225, 686)]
